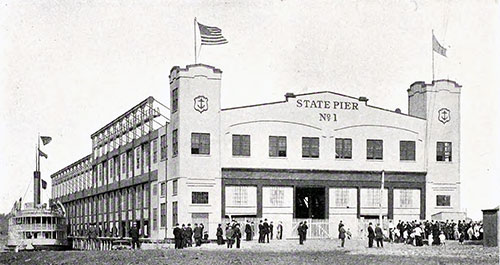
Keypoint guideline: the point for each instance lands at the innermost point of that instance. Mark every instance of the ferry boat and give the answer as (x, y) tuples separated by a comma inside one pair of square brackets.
[(37, 226)]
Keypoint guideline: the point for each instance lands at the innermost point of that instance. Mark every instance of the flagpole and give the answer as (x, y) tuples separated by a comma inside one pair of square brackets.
[(38, 154), (195, 57), (432, 50)]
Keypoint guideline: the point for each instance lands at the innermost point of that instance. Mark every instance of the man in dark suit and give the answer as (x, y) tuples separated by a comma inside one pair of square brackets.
[(198, 234), (304, 230), (301, 233), (248, 231), (271, 229), (178, 236), (134, 234), (371, 235), (261, 232), (266, 232), (379, 236)]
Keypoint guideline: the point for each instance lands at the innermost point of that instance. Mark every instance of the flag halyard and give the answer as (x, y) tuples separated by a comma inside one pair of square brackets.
[(211, 35)]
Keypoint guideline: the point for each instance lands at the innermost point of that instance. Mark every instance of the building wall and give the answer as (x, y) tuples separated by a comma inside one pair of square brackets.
[(443, 176)]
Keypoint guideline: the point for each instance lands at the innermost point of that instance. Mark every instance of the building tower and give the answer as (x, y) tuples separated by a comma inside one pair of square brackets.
[(193, 168), (439, 104)]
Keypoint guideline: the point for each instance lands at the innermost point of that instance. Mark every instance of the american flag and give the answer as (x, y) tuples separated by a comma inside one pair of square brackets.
[(211, 35)]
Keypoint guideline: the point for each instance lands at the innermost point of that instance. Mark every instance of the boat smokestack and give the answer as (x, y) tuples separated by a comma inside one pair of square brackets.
[(36, 188)]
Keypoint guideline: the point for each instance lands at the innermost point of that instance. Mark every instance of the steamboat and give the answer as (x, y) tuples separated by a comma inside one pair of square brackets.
[(37, 226)]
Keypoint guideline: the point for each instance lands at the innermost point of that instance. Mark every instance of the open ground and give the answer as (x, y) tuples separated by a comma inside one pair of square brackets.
[(277, 252)]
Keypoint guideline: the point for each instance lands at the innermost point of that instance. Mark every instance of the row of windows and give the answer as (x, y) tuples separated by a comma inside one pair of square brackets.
[(200, 144)]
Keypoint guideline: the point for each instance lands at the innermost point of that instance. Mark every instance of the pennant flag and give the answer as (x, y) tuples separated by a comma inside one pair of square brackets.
[(211, 35), (46, 139), (40, 153), (437, 47), (44, 184)]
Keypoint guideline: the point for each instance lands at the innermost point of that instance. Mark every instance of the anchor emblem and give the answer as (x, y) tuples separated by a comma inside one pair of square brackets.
[(444, 115), (201, 104)]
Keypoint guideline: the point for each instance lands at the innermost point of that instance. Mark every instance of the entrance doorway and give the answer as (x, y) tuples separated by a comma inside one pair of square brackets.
[(310, 203)]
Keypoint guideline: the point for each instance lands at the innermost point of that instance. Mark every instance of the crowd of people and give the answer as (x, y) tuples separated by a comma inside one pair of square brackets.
[(419, 233), (231, 235), (184, 236)]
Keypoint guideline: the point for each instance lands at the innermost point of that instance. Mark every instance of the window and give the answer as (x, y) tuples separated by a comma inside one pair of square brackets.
[(174, 143), (163, 146), (163, 214), (130, 166), (200, 143), (406, 198), (240, 195), (374, 149), (310, 147), (155, 151), (155, 219), (199, 197), (175, 99), (443, 200), (343, 148), (163, 189), (277, 197), (174, 188), (174, 213), (443, 151), (372, 197), (407, 150), (155, 189), (341, 197), (241, 145), (147, 156), (138, 157), (277, 146)]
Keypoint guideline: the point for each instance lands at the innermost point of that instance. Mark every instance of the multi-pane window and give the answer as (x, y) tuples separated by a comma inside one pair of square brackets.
[(372, 197), (199, 197), (443, 151), (174, 188), (155, 189), (241, 145), (138, 157), (145, 197), (174, 143), (310, 147), (147, 155), (374, 149), (155, 150), (240, 195), (175, 100), (200, 143), (124, 163), (163, 147), (407, 150), (341, 197), (277, 197), (175, 219), (163, 189), (277, 146), (155, 219), (443, 200), (406, 198), (343, 148), (163, 214), (130, 156)]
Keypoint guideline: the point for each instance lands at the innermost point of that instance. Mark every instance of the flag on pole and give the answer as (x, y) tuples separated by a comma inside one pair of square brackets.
[(40, 153), (44, 184), (211, 35), (438, 47), (46, 139)]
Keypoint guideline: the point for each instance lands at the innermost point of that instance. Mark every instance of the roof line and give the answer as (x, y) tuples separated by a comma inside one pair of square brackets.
[(71, 165), (121, 116)]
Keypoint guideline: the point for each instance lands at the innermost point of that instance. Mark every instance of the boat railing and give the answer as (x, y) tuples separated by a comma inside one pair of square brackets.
[(48, 227), (101, 243)]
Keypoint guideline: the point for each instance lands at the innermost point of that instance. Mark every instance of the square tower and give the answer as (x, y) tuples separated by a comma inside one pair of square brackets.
[(193, 168), (439, 104)]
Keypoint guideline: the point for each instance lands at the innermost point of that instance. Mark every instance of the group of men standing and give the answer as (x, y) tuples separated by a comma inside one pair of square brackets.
[(302, 231), (376, 234), (184, 236)]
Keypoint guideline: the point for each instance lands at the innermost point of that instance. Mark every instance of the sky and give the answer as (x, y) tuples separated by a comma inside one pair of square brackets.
[(67, 68)]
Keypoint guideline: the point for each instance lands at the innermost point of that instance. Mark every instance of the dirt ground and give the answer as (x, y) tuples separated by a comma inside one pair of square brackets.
[(276, 252)]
